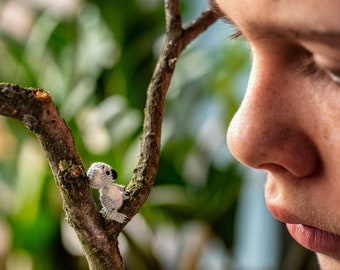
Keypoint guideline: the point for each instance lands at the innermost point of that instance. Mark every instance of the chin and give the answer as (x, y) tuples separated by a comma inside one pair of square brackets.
[(327, 262)]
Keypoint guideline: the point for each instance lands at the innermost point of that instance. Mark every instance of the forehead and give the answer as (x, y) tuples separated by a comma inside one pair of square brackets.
[(311, 14)]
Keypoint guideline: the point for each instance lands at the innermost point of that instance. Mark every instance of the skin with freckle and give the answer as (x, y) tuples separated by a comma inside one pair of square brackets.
[(289, 121)]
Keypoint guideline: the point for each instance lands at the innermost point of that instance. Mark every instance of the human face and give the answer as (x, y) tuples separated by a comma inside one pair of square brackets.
[(289, 121)]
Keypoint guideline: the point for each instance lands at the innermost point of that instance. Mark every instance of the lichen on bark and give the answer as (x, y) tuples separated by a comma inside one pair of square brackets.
[(34, 107)]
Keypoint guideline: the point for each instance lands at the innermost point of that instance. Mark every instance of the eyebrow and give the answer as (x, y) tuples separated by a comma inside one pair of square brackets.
[(261, 31), (237, 34), (218, 11)]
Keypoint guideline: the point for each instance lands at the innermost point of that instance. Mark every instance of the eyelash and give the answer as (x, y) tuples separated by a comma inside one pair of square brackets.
[(310, 68), (237, 34)]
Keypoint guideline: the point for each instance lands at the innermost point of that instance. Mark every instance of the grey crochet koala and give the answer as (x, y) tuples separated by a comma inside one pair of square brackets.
[(102, 176)]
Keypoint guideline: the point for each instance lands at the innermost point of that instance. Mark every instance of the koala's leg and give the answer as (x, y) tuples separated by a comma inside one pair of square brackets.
[(114, 215), (110, 208)]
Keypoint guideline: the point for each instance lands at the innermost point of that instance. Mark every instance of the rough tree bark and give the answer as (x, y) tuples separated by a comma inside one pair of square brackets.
[(35, 108)]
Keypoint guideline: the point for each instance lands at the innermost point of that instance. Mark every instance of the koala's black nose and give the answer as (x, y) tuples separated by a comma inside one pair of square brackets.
[(114, 174)]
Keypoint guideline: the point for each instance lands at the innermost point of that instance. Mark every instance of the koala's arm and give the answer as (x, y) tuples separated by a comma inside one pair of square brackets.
[(124, 192), (120, 187), (110, 207)]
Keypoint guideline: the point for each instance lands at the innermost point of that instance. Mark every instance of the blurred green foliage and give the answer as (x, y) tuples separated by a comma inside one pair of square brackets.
[(96, 59)]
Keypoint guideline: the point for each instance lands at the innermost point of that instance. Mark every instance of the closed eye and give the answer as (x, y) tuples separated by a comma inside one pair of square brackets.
[(334, 75), (311, 68)]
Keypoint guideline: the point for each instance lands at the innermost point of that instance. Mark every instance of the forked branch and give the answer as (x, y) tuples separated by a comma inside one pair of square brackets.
[(176, 40), (34, 107)]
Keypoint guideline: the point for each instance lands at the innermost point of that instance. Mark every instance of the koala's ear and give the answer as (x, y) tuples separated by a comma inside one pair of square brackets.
[(114, 174)]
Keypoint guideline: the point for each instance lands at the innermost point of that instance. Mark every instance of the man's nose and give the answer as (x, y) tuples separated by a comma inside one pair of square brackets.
[(267, 131)]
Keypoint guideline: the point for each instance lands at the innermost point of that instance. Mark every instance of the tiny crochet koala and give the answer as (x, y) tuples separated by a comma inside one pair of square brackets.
[(102, 176)]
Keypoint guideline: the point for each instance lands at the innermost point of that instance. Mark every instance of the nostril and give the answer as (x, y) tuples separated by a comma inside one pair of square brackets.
[(274, 149), (296, 155), (271, 167), (268, 132)]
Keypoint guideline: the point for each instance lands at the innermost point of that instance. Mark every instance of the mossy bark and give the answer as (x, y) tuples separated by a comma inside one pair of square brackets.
[(35, 108)]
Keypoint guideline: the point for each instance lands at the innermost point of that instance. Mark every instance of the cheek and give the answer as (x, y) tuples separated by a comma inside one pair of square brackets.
[(326, 131)]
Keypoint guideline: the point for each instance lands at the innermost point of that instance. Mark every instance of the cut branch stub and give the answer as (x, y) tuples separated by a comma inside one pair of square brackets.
[(34, 107)]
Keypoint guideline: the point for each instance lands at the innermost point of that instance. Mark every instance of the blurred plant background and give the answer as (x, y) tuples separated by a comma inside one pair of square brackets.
[(96, 57)]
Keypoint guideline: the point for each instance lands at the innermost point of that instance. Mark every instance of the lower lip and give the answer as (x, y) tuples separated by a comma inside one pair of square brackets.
[(315, 239)]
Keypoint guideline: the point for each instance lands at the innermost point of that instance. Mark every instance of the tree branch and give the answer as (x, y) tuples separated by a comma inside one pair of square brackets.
[(173, 18), (190, 32), (34, 107), (176, 41)]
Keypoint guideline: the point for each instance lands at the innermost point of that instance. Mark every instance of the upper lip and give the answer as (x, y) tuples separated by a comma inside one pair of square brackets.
[(285, 216), (288, 217)]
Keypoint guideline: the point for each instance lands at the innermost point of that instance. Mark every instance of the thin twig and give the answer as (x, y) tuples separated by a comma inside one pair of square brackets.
[(173, 18), (34, 107), (147, 165), (190, 32)]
